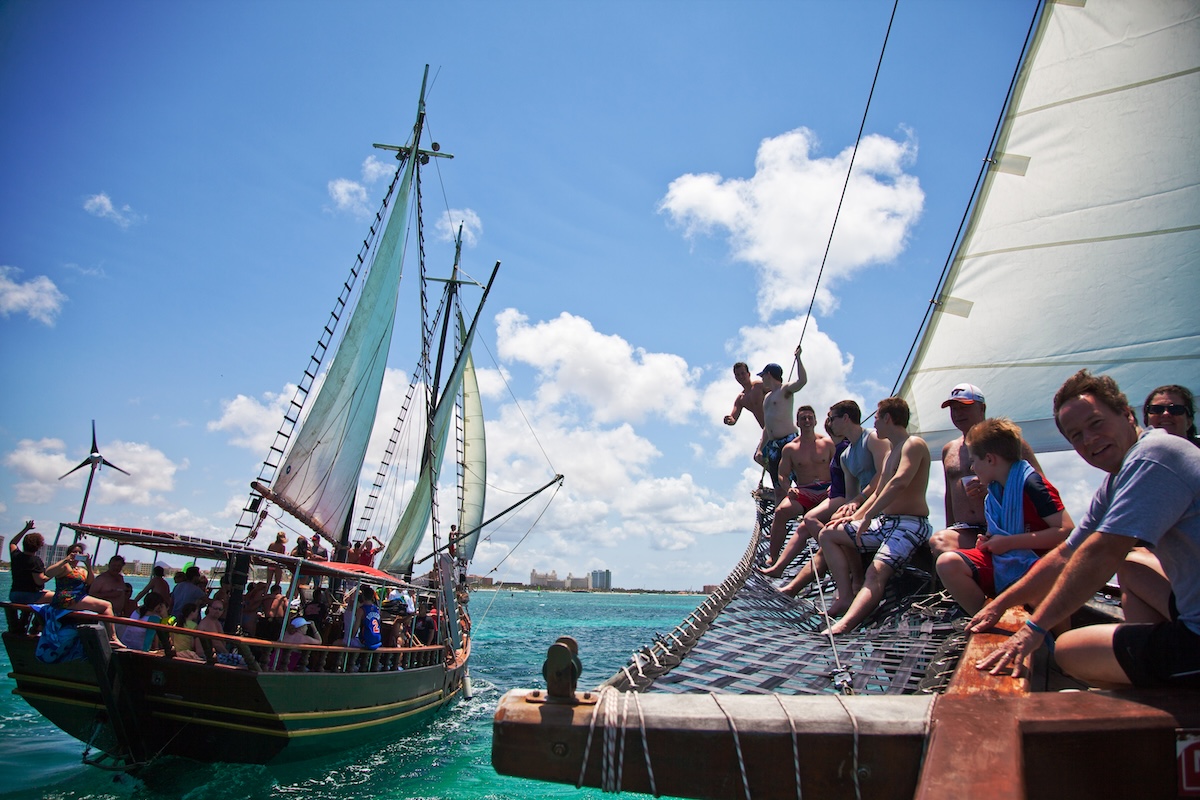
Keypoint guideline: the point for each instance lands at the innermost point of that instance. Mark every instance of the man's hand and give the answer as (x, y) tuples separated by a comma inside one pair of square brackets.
[(1015, 651), (986, 618)]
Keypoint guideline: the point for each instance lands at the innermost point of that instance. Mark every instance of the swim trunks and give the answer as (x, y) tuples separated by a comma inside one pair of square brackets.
[(982, 570), (809, 496), (1163, 654), (773, 449), (897, 536)]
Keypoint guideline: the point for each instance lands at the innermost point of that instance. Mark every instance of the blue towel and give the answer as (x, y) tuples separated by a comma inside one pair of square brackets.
[(59, 640), (1005, 512)]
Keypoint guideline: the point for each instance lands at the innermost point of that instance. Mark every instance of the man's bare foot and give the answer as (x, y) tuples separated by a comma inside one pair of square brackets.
[(773, 571), (839, 607)]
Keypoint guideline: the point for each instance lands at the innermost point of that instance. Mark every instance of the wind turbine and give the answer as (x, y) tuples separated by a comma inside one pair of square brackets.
[(95, 460)]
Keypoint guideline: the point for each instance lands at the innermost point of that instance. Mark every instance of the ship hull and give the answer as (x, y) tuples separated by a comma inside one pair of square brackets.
[(210, 713)]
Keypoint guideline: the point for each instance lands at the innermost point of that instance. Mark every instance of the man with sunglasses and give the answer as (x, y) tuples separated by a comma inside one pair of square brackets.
[(1151, 496)]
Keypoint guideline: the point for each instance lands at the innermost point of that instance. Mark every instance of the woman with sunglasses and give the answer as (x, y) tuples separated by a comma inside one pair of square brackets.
[(1172, 408)]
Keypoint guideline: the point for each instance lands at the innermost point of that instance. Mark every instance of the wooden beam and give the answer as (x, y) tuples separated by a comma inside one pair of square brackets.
[(693, 752)]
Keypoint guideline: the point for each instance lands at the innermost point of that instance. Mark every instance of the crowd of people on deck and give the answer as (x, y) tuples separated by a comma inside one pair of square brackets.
[(354, 618), (859, 495)]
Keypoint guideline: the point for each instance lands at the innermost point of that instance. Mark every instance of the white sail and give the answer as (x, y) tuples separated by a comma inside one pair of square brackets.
[(402, 546), (474, 462), (317, 479), (1083, 249)]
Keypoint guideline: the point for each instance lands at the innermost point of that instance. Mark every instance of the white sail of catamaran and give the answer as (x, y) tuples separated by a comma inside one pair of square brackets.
[(1083, 249)]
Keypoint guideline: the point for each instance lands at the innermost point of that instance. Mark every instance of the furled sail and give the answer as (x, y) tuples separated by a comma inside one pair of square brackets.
[(1083, 248), (402, 546), (318, 476), (474, 461)]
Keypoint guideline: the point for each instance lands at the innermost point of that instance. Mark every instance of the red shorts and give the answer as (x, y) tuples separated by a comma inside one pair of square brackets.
[(809, 496), (981, 569)]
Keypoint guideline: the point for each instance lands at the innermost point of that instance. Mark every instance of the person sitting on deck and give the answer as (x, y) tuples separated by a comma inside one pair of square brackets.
[(186, 618), (300, 631), (1025, 517), (778, 425), (188, 590), (214, 622), (805, 462), (1151, 494), (110, 585), (895, 520), (964, 495), (152, 609), (158, 584), (252, 606), (1145, 590), (424, 627), (367, 622), (810, 525), (1172, 408)]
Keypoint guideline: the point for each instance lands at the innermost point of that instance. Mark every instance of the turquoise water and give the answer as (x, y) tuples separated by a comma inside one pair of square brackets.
[(450, 759)]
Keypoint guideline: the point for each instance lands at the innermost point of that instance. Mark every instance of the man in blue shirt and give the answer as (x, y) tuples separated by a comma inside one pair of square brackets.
[(1151, 497)]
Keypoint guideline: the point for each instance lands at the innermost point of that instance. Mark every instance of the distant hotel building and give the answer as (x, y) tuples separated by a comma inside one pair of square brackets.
[(599, 579)]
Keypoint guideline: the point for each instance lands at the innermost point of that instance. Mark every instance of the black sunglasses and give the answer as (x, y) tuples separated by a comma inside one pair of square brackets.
[(1174, 409)]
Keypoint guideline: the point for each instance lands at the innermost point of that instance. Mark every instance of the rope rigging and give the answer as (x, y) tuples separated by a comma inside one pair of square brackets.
[(849, 171)]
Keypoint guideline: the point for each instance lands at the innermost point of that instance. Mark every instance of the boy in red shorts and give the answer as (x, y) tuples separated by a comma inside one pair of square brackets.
[(1025, 518)]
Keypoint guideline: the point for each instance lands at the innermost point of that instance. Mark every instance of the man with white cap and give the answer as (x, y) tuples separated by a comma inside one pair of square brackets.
[(965, 495)]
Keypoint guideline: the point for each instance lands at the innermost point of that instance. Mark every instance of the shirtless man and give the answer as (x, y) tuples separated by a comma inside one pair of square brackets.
[(861, 463), (895, 518), (805, 460), (110, 584), (214, 622), (964, 499), (751, 397), (778, 425)]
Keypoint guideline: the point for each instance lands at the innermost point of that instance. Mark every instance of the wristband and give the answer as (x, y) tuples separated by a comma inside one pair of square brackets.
[(1038, 629)]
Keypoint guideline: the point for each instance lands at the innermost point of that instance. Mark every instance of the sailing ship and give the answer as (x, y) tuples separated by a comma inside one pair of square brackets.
[(264, 699), (1087, 206)]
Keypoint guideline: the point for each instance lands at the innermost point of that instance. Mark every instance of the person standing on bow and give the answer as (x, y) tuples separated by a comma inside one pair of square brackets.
[(1151, 495), (779, 427), (749, 399)]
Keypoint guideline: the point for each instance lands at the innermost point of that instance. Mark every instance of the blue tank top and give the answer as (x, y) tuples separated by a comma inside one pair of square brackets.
[(371, 634), (858, 461)]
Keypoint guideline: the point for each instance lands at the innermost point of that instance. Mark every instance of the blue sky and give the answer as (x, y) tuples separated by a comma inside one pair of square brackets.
[(184, 187)]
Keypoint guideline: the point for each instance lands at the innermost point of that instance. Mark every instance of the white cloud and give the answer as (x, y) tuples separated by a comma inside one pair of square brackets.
[(39, 298), (101, 205), (352, 196), (40, 463), (348, 195), (449, 222), (373, 169), (596, 376), (779, 220), (252, 422)]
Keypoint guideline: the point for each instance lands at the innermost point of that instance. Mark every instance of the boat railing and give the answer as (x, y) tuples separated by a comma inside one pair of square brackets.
[(260, 655)]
